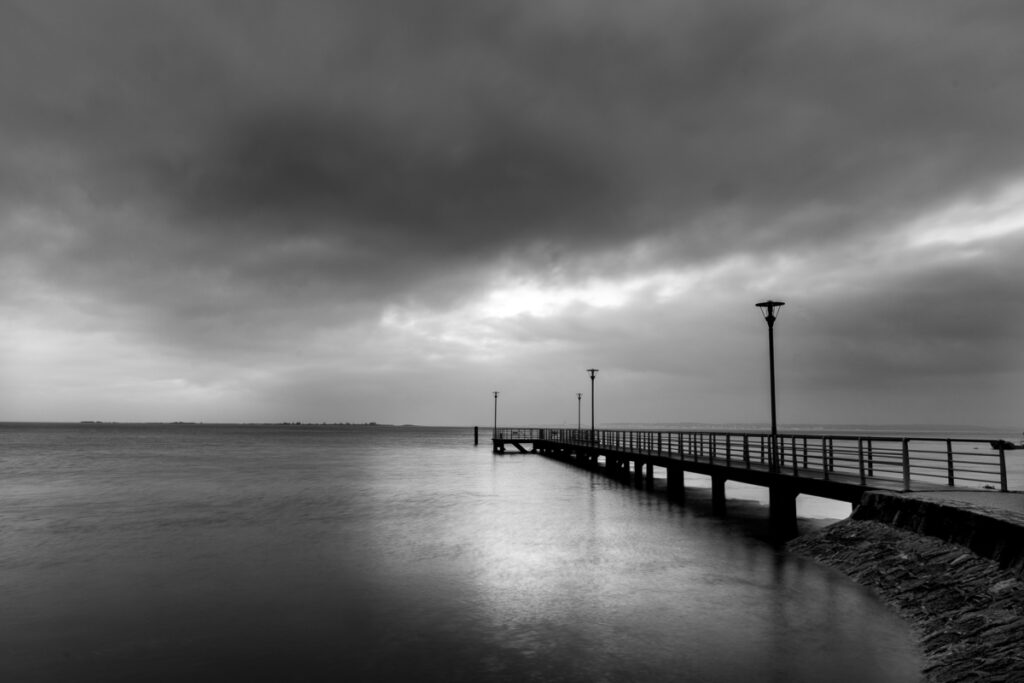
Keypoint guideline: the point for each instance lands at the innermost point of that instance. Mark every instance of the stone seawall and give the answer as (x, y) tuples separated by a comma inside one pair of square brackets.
[(989, 532), (952, 570)]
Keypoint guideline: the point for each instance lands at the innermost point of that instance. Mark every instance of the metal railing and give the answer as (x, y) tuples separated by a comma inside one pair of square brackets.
[(915, 462)]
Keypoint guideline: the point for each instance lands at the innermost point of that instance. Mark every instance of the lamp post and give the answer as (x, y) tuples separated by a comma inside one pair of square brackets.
[(495, 432), (770, 310), (579, 409), (593, 372)]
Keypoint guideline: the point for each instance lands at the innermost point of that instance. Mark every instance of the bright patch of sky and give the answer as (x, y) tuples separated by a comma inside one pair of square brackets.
[(973, 220)]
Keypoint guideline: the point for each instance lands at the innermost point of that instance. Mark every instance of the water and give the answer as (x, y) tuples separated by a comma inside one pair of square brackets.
[(211, 553)]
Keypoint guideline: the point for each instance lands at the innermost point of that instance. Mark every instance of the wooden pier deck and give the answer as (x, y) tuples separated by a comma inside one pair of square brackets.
[(840, 467)]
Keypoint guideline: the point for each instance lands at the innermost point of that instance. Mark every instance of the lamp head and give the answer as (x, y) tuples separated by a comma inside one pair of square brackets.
[(770, 309)]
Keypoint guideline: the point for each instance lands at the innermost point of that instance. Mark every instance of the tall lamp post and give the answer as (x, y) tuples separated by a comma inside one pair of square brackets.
[(770, 309), (494, 434), (593, 372), (579, 410)]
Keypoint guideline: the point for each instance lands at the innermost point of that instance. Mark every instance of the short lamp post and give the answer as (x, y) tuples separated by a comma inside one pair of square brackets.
[(770, 309), (495, 415), (593, 373), (579, 410)]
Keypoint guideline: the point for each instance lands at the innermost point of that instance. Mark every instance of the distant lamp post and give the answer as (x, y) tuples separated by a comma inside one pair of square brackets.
[(593, 373), (579, 410), (770, 309), (495, 415)]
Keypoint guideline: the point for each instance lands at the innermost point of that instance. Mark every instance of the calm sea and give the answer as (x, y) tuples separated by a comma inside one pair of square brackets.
[(316, 553)]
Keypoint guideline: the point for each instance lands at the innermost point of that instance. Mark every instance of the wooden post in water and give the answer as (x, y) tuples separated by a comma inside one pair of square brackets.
[(476, 436)]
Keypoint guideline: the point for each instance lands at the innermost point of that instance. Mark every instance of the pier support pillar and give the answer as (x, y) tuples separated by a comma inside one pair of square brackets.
[(675, 482), (638, 472), (718, 495), (782, 510)]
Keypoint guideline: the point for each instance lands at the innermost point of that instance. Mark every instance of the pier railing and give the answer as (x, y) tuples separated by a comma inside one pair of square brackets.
[(914, 462)]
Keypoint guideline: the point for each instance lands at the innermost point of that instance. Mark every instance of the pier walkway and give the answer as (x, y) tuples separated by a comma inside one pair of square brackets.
[(840, 467)]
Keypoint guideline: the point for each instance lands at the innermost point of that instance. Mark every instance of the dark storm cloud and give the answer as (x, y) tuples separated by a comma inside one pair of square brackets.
[(284, 155), (323, 175)]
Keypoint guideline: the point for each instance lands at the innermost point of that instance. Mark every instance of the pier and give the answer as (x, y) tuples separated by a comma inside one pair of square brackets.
[(839, 467)]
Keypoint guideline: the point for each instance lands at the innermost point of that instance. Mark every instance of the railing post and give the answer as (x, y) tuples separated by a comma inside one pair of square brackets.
[(728, 451), (860, 458), (906, 464), (1002, 468), (792, 452), (824, 457), (949, 462), (746, 451)]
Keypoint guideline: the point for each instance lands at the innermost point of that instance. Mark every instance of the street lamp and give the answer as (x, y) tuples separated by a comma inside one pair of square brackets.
[(770, 310), (495, 433), (593, 372), (579, 409)]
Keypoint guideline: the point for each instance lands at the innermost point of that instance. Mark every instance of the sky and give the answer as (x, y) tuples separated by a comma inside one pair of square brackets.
[(385, 210)]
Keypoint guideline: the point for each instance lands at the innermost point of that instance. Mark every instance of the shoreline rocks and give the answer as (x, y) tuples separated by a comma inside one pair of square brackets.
[(967, 610)]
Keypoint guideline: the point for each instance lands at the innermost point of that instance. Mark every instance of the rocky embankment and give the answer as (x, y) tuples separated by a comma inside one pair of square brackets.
[(967, 609)]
